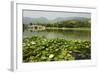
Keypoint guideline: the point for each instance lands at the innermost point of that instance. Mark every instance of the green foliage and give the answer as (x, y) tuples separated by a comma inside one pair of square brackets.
[(25, 27), (36, 49), (67, 24)]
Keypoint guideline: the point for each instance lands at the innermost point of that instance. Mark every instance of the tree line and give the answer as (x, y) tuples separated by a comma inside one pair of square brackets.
[(65, 24)]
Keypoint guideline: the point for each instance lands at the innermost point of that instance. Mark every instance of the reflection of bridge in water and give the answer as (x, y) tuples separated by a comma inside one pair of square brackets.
[(36, 27)]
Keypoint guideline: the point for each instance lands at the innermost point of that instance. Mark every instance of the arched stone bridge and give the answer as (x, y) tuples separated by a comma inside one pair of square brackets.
[(36, 27)]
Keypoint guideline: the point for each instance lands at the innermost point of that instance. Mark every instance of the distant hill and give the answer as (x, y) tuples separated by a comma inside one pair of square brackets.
[(27, 20), (71, 18)]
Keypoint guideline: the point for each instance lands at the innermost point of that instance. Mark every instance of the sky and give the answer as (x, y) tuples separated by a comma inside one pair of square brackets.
[(50, 15)]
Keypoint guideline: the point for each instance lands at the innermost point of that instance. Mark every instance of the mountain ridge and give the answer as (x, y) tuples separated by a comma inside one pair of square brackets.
[(28, 20)]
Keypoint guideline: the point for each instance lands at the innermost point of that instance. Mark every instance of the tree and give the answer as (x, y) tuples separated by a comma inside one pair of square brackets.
[(31, 24)]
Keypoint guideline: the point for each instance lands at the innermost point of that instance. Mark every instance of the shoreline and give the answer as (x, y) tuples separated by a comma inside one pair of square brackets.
[(67, 28)]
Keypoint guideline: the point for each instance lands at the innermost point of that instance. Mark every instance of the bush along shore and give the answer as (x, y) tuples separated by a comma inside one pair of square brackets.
[(37, 49)]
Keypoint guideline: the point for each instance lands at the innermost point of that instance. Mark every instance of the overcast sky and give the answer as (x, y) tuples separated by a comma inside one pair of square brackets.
[(52, 15)]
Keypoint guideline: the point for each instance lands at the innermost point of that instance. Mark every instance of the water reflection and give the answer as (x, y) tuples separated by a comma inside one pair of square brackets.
[(66, 34)]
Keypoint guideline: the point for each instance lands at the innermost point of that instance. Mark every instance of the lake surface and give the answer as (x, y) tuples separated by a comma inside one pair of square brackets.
[(66, 34)]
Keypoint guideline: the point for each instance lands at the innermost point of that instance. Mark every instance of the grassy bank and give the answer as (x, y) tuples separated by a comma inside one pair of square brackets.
[(36, 49), (68, 28)]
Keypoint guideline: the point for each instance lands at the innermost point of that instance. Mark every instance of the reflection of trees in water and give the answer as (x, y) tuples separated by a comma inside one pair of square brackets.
[(70, 32), (59, 33)]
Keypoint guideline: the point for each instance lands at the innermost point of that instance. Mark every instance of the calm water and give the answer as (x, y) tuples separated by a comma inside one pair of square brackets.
[(66, 34)]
